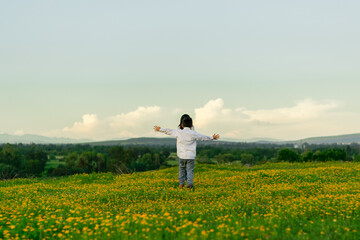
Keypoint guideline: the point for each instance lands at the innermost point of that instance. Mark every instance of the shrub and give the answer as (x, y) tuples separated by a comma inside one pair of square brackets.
[(7, 171)]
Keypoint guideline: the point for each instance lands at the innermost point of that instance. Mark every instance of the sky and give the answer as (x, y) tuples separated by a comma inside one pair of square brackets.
[(244, 69)]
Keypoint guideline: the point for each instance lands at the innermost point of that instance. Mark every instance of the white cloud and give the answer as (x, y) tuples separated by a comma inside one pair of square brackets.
[(283, 123), (88, 124), (210, 112), (303, 119), (124, 125), (304, 110), (133, 119)]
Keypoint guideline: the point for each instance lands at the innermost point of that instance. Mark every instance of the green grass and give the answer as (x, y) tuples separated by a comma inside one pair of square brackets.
[(271, 201), (173, 160), (53, 163)]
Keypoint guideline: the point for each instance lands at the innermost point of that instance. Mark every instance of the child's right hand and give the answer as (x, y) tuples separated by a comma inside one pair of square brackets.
[(216, 136), (157, 128)]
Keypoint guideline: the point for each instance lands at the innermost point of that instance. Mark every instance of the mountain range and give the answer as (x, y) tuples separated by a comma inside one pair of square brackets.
[(31, 138), (340, 139)]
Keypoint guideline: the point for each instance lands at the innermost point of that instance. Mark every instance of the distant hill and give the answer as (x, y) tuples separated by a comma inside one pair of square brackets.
[(137, 141), (253, 140), (30, 138), (167, 141), (341, 139), (149, 141), (171, 142)]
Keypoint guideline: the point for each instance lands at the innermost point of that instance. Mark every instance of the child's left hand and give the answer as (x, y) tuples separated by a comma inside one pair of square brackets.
[(157, 128)]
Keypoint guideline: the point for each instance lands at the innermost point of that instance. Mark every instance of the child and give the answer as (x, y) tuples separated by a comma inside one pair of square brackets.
[(186, 148)]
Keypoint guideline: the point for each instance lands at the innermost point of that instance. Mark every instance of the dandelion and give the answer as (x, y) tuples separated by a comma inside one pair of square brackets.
[(252, 204)]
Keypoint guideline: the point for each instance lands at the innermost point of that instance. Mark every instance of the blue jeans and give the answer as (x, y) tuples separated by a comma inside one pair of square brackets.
[(186, 171)]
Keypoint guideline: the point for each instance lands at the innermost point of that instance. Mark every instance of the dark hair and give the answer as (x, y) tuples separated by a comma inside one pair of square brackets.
[(187, 122), (182, 118)]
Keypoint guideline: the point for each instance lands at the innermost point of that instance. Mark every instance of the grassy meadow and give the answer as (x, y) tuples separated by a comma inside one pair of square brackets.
[(271, 201)]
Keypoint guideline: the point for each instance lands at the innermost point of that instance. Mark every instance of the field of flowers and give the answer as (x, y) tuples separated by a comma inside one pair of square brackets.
[(272, 201)]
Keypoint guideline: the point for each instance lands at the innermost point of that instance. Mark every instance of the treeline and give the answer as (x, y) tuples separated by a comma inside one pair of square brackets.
[(248, 156), (19, 160), (278, 153), (114, 159)]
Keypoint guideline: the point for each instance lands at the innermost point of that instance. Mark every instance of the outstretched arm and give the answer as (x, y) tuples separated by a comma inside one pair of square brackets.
[(170, 132), (206, 138)]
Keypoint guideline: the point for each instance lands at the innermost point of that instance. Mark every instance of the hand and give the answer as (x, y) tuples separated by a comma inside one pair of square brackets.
[(216, 136), (157, 128)]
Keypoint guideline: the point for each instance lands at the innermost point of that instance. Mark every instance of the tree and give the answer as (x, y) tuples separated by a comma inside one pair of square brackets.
[(224, 158), (61, 170), (330, 155), (204, 159), (307, 156), (34, 167), (7, 171), (247, 158), (156, 161), (337, 154), (36, 153), (82, 162), (288, 155), (100, 162), (71, 159), (10, 156), (118, 161), (144, 162)]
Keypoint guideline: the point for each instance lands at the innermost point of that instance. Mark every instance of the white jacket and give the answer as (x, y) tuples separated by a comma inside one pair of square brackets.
[(186, 141)]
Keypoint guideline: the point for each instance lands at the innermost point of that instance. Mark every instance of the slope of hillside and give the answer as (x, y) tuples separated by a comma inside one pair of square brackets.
[(344, 139), (149, 141), (272, 201), (31, 138), (138, 141)]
